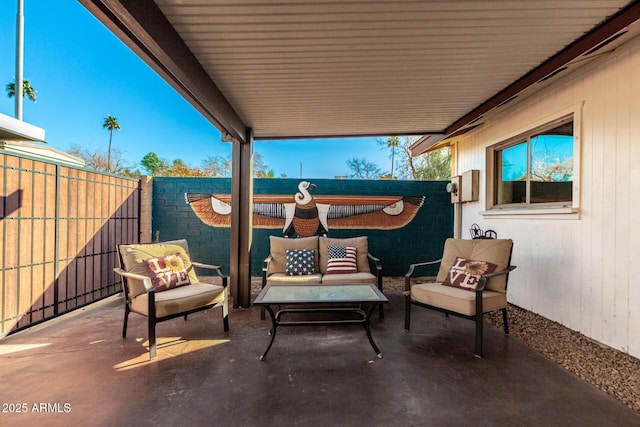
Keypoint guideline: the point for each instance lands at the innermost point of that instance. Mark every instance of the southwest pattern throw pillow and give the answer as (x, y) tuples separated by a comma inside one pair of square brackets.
[(167, 272), (341, 260), (300, 262), (465, 274)]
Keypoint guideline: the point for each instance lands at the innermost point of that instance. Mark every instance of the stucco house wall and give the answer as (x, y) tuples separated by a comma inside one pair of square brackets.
[(579, 269)]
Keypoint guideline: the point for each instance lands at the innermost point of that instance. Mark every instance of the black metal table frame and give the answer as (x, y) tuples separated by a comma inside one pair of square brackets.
[(363, 312)]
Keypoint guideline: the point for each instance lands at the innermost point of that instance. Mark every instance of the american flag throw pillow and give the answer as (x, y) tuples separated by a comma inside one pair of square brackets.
[(341, 260)]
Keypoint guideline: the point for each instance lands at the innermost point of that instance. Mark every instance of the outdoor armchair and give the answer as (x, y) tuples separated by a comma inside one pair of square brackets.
[(472, 280), (159, 282)]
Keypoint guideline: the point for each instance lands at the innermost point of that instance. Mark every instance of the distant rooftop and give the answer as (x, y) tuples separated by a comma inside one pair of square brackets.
[(16, 130), (41, 151), (20, 137)]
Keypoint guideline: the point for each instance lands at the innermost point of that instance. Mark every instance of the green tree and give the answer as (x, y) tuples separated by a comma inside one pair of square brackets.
[(27, 90), (401, 163), (157, 166), (110, 123), (260, 169), (269, 173), (361, 168), (435, 165), (180, 168), (393, 142), (154, 164)]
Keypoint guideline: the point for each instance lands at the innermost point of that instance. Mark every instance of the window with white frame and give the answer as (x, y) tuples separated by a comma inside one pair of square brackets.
[(534, 169)]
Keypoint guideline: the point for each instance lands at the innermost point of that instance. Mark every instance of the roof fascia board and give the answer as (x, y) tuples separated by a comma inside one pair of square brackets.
[(426, 143), (142, 26), (608, 28), (333, 136)]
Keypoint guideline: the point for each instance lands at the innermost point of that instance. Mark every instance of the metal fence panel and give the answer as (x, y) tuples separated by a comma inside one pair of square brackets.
[(59, 227)]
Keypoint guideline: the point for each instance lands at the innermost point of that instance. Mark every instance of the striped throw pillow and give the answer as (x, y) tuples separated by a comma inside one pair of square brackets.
[(341, 260)]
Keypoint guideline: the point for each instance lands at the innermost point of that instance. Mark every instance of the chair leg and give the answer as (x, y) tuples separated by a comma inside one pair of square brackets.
[(225, 315), (225, 323), (262, 317), (152, 339), (504, 321), (407, 312), (185, 317), (126, 320), (381, 306), (479, 335)]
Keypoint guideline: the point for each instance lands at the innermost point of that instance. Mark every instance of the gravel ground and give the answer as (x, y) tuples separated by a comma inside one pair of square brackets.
[(606, 368)]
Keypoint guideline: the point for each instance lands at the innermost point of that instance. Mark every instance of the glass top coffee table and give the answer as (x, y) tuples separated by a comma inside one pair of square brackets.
[(323, 305)]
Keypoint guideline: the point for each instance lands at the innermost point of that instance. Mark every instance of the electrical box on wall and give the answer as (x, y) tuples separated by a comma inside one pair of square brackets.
[(465, 187), (469, 186), (454, 188)]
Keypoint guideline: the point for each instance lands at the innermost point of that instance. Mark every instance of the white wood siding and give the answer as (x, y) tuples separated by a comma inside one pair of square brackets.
[(581, 271)]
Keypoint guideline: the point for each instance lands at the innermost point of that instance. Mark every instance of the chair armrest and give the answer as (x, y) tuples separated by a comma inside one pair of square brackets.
[(265, 269), (266, 262), (412, 269), (217, 269), (485, 277), (146, 280), (378, 268), (209, 266), (376, 262)]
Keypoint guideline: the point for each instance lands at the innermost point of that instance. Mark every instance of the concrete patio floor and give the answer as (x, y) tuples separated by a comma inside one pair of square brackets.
[(77, 370)]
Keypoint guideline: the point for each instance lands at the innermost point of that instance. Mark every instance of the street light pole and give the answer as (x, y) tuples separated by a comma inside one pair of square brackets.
[(19, 58)]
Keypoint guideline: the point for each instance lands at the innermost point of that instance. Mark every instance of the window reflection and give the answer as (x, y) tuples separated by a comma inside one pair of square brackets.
[(538, 169)]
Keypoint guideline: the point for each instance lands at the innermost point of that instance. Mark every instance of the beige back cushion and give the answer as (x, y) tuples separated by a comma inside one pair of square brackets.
[(280, 244), (496, 251), (133, 257), (360, 243)]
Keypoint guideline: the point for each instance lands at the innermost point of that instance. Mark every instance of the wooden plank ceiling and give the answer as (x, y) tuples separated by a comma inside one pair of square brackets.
[(308, 68)]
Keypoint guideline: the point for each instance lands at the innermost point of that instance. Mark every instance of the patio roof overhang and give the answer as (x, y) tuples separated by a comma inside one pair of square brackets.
[(320, 68)]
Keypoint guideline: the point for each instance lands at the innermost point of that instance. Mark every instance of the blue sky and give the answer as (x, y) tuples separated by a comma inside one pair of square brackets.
[(82, 73)]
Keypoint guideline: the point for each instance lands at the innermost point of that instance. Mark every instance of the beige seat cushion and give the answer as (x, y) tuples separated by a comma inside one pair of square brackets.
[(496, 251), (284, 279), (279, 245), (360, 277), (360, 243), (133, 257), (456, 299), (178, 300)]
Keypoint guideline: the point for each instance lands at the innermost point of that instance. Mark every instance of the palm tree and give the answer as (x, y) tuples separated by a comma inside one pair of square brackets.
[(110, 123), (27, 90), (393, 142)]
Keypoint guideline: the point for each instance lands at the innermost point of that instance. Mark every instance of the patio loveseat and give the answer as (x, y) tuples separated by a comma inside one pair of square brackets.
[(318, 260)]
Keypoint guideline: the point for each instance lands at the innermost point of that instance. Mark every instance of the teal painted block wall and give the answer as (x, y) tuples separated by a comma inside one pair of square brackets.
[(420, 240)]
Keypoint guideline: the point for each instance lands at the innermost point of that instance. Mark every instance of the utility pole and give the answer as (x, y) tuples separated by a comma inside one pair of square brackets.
[(19, 57)]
